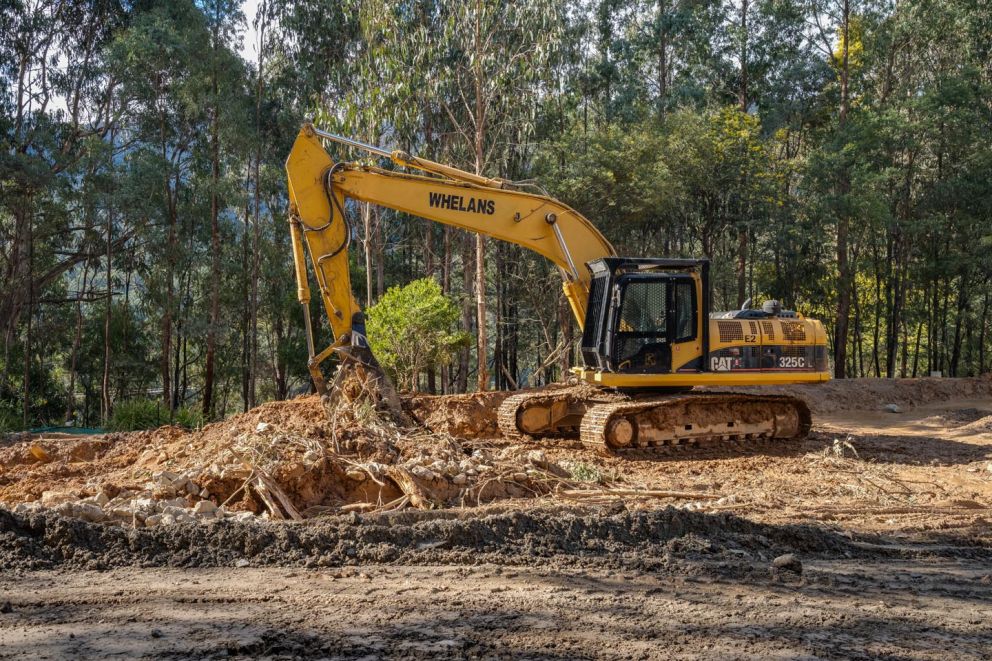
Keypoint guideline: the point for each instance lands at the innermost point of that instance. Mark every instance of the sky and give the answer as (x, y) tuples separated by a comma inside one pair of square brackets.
[(249, 44)]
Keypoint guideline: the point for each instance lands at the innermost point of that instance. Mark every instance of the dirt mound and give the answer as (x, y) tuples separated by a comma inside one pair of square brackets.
[(472, 415), (637, 539), (282, 460)]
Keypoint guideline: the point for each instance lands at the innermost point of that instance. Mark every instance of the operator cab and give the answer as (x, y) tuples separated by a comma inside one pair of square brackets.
[(639, 309)]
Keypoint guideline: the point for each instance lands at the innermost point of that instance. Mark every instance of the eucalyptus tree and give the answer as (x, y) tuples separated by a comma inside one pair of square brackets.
[(479, 71)]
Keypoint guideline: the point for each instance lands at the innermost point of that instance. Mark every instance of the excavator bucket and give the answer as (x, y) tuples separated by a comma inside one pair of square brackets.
[(359, 378)]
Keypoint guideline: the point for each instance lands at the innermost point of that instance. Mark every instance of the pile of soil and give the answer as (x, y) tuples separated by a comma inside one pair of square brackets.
[(641, 539), (282, 460)]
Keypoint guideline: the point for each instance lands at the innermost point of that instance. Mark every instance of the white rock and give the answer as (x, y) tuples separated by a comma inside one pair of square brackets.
[(204, 507), (892, 408), (90, 512), (166, 478), (153, 520), (262, 427), (166, 520), (171, 502), (175, 512), (65, 509), (244, 516), (53, 498), (204, 493), (537, 457), (423, 472)]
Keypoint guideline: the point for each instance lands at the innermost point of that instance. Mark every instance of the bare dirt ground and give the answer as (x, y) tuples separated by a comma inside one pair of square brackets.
[(842, 609), (457, 543)]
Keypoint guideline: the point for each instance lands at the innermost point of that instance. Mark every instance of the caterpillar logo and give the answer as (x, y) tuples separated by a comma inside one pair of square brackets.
[(724, 363), (458, 203)]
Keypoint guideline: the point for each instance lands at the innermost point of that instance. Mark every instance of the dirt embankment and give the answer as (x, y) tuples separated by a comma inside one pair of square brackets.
[(613, 536)]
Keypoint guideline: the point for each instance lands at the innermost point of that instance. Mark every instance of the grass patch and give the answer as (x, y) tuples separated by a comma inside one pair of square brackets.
[(139, 414)]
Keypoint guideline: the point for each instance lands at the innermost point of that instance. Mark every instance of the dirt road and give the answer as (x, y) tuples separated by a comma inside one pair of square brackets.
[(891, 609), (889, 514)]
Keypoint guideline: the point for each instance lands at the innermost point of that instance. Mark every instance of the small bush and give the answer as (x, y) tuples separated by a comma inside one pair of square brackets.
[(583, 472), (138, 414), (189, 417), (10, 418)]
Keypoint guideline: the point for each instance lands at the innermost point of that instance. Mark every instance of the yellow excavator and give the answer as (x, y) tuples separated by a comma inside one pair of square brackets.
[(648, 335)]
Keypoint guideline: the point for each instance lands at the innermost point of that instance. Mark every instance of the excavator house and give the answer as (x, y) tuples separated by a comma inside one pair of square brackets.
[(649, 339)]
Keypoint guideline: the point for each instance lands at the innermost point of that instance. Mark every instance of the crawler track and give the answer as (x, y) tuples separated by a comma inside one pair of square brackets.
[(549, 413), (705, 424), (711, 421)]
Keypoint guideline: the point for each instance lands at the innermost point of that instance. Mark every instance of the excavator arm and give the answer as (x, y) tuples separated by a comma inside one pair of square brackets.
[(319, 188)]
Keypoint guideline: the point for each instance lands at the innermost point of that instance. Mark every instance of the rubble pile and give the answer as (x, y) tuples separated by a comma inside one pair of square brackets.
[(282, 460), (169, 498)]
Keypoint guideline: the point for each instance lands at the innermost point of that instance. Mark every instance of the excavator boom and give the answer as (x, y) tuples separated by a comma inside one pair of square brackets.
[(491, 207)]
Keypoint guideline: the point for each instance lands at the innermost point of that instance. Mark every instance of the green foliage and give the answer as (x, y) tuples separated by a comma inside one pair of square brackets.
[(139, 414), (583, 472), (414, 328), (10, 419)]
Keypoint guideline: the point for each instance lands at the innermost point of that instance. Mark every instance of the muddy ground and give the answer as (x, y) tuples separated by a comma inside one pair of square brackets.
[(870, 539)]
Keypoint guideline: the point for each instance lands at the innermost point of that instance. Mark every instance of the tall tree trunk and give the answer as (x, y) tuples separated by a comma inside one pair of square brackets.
[(463, 356), (70, 400), (482, 345), (981, 333), (662, 57), (447, 370), (105, 402), (208, 378), (366, 211), (742, 101), (844, 280), (959, 319), (246, 306), (480, 311), (30, 318)]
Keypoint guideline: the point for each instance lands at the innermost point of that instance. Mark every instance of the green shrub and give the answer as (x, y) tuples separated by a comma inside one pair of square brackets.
[(414, 328), (10, 418), (189, 417), (138, 414)]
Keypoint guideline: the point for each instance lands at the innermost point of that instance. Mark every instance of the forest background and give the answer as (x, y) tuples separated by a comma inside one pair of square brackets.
[(833, 154)]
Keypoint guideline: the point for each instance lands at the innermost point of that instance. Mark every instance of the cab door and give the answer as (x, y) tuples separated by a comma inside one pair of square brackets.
[(652, 314)]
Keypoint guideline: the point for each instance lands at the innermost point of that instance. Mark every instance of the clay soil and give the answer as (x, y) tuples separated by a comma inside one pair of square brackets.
[(544, 550)]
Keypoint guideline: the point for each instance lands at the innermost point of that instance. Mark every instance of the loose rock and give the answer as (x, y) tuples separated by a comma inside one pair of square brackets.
[(788, 562)]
